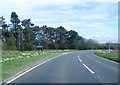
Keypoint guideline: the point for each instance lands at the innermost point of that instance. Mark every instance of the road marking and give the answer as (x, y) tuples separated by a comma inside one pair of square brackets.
[(21, 74), (85, 65), (79, 59), (88, 68), (65, 53), (28, 71)]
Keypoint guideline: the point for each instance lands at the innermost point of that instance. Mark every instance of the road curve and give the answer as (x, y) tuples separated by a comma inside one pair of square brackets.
[(78, 67)]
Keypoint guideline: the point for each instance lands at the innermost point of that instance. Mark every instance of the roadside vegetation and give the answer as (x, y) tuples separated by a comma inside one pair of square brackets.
[(112, 54), (23, 35), (22, 40), (16, 61)]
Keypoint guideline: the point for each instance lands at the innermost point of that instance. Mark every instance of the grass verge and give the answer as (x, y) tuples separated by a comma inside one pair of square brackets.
[(113, 55), (15, 61)]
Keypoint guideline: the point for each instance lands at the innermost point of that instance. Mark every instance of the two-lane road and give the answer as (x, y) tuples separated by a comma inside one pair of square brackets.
[(78, 67)]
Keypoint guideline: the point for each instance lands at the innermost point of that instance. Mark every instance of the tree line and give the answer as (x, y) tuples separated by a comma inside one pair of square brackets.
[(24, 35)]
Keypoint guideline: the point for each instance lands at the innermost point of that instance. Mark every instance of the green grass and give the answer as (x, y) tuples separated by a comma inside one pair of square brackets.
[(15, 61), (109, 55)]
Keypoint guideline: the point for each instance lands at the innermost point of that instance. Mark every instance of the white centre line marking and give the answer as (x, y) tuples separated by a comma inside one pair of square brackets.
[(85, 66), (88, 68), (79, 59)]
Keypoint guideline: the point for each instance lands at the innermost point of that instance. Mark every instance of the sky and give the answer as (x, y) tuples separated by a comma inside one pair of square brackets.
[(95, 19)]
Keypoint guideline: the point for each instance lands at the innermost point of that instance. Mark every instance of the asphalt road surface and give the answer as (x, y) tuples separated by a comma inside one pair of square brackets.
[(78, 67)]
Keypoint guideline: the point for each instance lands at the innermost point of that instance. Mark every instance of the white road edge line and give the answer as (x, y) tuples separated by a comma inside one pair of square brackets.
[(88, 68), (32, 69), (104, 59), (79, 59)]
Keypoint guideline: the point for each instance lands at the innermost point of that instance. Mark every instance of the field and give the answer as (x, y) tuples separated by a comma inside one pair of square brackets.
[(112, 55), (15, 61)]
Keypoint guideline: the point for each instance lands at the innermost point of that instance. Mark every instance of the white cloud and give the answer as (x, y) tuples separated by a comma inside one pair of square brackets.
[(92, 17), (103, 38), (78, 15)]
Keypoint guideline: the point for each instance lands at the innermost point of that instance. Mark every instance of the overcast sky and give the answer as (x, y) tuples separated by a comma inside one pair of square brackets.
[(97, 20)]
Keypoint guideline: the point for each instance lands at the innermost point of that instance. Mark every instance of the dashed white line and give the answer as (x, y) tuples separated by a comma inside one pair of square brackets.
[(85, 66), (79, 59), (88, 68)]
